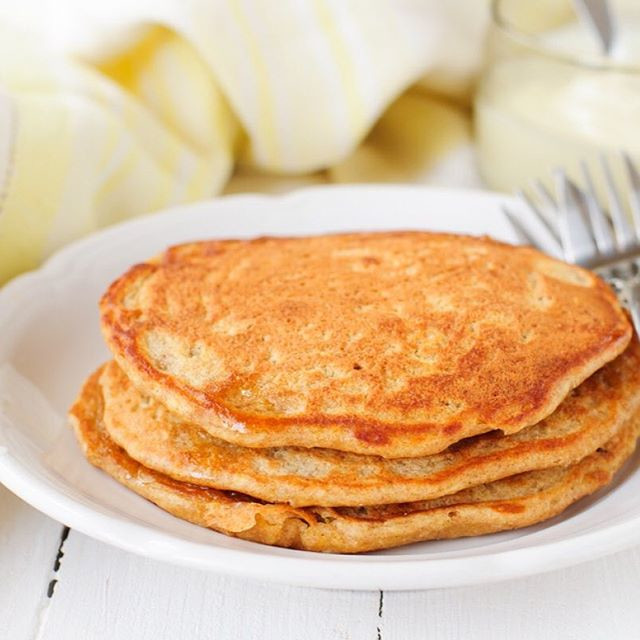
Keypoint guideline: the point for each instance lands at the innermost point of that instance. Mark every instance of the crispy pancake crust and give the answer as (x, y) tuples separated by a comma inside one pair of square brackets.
[(511, 503), (158, 439), (396, 344)]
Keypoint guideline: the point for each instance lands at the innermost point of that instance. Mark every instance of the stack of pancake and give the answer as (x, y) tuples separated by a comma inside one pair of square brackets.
[(355, 392)]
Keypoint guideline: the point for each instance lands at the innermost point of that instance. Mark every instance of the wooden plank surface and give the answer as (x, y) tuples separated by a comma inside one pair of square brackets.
[(29, 544), (104, 593), (593, 601)]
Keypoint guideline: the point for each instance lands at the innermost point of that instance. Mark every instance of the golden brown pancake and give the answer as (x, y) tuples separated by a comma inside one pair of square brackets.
[(513, 502), (158, 439), (397, 344)]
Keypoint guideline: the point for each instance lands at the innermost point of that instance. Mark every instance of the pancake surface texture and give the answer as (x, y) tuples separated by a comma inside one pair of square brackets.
[(592, 413), (395, 344), (510, 503)]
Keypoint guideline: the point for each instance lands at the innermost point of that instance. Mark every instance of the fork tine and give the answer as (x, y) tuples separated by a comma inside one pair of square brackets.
[(521, 228), (599, 223), (535, 234), (634, 191), (544, 194), (577, 243), (542, 213), (625, 236)]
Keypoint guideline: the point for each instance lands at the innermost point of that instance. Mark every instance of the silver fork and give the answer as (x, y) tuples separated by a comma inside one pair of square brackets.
[(575, 225)]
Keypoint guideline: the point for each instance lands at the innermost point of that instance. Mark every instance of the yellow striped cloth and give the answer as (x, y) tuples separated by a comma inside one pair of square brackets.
[(122, 108)]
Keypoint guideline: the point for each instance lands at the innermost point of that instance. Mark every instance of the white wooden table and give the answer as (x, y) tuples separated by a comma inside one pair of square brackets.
[(61, 585)]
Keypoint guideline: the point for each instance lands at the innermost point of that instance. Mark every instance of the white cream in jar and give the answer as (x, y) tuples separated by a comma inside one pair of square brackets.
[(554, 101)]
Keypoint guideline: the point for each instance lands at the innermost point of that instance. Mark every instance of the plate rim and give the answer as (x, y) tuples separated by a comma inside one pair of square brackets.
[(367, 572), (374, 573)]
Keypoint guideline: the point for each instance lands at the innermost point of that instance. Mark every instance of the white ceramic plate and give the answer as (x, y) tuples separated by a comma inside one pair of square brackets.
[(50, 341)]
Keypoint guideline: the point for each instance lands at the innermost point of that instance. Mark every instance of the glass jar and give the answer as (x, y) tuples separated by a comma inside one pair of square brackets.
[(549, 98)]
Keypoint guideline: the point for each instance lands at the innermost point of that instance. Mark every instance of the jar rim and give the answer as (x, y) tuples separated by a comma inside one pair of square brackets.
[(596, 61)]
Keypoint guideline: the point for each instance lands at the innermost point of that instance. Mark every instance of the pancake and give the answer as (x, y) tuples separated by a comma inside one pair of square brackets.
[(158, 439), (513, 502), (393, 344)]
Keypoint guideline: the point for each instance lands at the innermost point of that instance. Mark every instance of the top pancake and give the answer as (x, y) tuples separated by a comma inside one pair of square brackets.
[(589, 416), (396, 344)]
